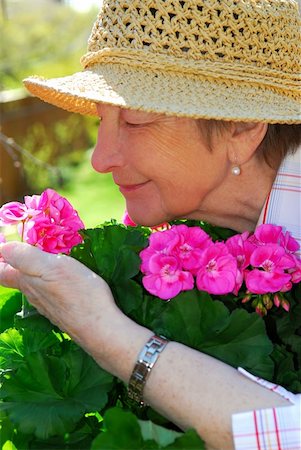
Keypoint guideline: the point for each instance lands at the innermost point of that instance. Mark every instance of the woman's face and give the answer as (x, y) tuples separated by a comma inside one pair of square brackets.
[(161, 164)]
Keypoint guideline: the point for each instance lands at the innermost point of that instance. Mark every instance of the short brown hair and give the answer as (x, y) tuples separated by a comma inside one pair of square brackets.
[(280, 139)]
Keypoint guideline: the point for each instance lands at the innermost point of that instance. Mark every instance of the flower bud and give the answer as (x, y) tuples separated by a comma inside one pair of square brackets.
[(267, 301), (277, 300), (285, 304), (246, 298), (261, 310)]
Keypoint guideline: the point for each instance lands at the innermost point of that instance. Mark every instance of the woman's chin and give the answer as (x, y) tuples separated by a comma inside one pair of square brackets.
[(146, 218)]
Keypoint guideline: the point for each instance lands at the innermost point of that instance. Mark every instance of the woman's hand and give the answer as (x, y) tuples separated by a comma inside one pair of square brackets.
[(65, 291), (78, 301)]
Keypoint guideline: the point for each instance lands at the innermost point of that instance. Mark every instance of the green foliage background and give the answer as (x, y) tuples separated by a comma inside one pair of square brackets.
[(49, 41), (41, 39)]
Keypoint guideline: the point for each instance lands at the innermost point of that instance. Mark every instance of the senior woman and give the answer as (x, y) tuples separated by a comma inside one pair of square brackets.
[(199, 103)]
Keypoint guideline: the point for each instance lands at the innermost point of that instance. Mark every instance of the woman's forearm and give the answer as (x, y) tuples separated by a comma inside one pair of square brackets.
[(190, 388)]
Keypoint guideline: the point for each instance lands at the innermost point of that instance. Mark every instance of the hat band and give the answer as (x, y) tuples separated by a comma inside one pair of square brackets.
[(229, 73)]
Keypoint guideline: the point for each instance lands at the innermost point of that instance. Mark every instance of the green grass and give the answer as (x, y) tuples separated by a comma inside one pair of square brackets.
[(93, 195)]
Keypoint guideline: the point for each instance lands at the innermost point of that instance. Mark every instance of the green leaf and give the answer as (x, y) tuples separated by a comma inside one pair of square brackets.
[(128, 296), (124, 431), (82, 252), (111, 251), (35, 340), (34, 322), (238, 339), (188, 441), (9, 446), (285, 373), (34, 399), (16, 344), (162, 436), (10, 304), (289, 328), (9, 435), (11, 349), (6, 429)]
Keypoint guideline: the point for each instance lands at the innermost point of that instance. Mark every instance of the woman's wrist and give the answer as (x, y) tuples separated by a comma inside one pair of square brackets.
[(112, 339)]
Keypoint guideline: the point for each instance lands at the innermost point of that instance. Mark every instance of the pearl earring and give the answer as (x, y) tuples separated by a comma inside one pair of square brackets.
[(235, 170)]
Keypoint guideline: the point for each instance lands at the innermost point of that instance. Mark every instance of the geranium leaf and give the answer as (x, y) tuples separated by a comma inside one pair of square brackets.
[(111, 251), (124, 431), (10, 304), (196, 320), (9, 445), (162, 436), (189, 440), (11, 349), (127, 264), (285, 373), (38, 406), (128, 296), (6, 429), (10, 435), (289, 328), (243, 342), (35, 340), (82, 252)]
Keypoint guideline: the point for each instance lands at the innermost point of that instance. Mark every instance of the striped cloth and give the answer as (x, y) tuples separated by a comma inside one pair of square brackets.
[(276, 428), (283, 205)]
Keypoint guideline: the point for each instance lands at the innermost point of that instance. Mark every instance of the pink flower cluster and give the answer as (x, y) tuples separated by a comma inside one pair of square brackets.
[(181, 256), (47, 221)]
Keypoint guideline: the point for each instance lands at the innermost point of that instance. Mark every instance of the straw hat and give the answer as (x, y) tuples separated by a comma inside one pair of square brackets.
[(222, 59)]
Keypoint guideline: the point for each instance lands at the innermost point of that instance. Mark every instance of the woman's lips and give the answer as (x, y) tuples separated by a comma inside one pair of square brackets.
[(125, 188)]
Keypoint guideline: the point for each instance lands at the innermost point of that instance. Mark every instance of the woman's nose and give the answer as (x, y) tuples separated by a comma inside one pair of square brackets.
[(106, 155)]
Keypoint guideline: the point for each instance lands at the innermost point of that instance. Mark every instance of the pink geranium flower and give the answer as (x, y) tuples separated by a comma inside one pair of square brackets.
[(60, 210), (126, 220), (273, 234), (165, 278), (13, 213), (218, 271), (289, 243), (238, 248), (32, 204), (48, 221), (270, 263), (160, 242), (49, 236), (190, 246), (268, 234), (296, 271)]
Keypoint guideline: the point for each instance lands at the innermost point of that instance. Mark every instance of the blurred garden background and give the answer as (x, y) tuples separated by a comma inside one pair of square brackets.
[(40, 145)]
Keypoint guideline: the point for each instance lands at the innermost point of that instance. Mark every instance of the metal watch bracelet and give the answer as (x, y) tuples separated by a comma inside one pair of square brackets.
[(145, 362)]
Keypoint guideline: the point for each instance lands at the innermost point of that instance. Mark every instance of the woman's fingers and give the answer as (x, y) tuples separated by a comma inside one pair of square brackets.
[(9, 277), (26, 258)]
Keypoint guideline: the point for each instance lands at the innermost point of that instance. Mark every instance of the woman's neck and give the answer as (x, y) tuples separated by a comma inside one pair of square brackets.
[(238, 201)]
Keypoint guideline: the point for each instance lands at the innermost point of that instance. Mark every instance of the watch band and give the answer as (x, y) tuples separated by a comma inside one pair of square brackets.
[(145, 362)]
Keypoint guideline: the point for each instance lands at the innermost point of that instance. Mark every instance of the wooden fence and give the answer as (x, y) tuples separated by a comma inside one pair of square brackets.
[(18, 113)]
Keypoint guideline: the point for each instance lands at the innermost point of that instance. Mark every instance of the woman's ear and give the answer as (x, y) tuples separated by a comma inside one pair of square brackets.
[(244, 140)]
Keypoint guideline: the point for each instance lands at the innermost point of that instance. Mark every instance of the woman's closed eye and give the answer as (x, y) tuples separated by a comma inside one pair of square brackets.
[(133, 124), (137, 119)]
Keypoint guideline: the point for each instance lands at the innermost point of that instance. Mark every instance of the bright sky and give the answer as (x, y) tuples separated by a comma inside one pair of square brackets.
[(83, 5)]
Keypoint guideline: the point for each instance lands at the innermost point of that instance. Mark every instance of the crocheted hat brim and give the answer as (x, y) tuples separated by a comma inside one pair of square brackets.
[(165, 92)]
